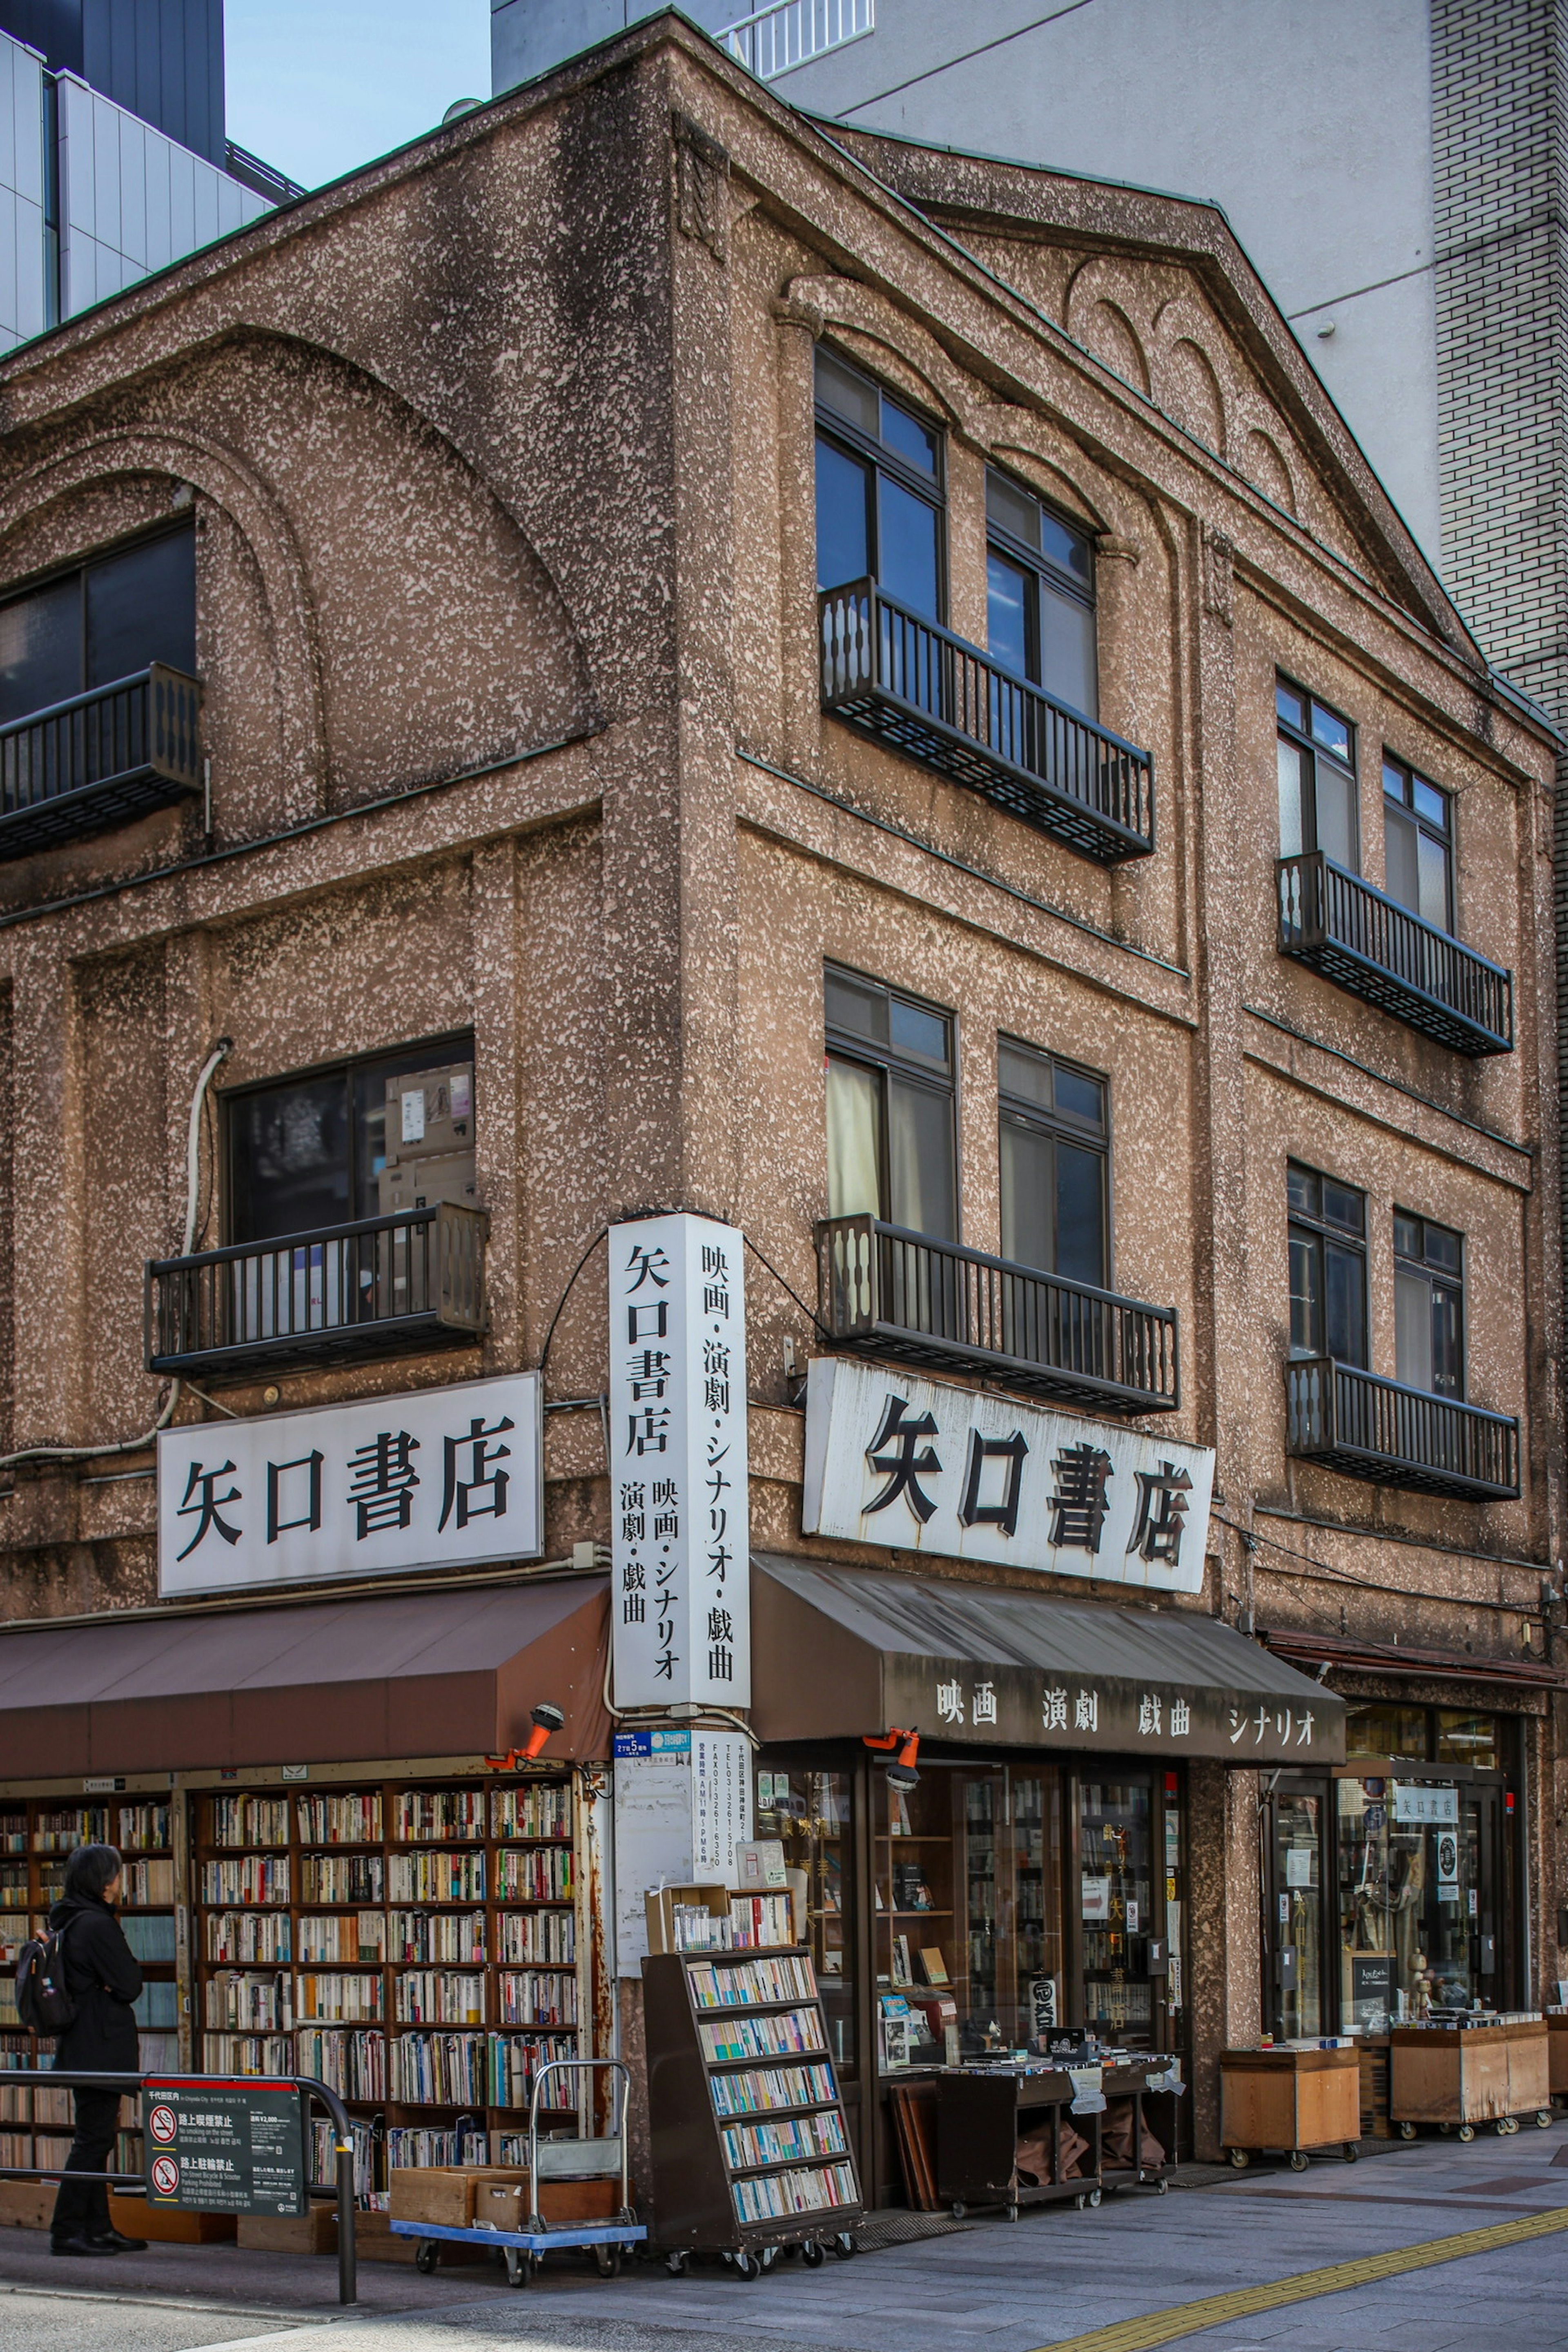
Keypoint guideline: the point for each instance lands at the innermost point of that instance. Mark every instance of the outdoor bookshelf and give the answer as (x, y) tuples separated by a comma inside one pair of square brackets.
[(750, 2147), (414, 1945)]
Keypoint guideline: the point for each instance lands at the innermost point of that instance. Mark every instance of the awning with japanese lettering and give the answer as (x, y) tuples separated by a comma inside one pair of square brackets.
[(839, 1652), (443, 1674)]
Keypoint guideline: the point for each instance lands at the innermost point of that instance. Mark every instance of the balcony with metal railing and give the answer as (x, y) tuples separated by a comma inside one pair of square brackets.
[(381, 1287), (884, 1291), (922, 691), (1378, 1430), (1368, 943), (100, 759), (792, 32)]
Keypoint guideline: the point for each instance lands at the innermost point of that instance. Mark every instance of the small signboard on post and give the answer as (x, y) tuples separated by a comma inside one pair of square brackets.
[(224, 2146)]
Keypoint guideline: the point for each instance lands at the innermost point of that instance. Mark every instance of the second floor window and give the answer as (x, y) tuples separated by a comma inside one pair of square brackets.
[(879, 491), (1328, 1266), (1429, 1306), (1418, 845), (890, 1134), (1040, 576), (99, 622), (1055, 1151), (371, 1137), (1316, 759)]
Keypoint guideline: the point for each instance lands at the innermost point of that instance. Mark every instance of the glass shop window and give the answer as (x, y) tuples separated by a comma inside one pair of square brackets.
[(809, 1810), (1429, 1306), (1328, 1266), (1116, 1856), (891, 1141), (1298, 1888), (99, 622), (1054, 1134), (1418, 845), (1316, 762), (1387, 1730), (1040, 596), (966, 1915), (1466, 1739), (1418, 1925), (378, 1137), (881, 491)]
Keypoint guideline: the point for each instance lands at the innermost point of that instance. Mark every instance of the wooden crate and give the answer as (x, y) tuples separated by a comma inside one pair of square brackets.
[(1289, 2099), (374, 2242), (26, 2204), (1468, 2074), (167, 2226), (1557, 2052), (315, 2232)]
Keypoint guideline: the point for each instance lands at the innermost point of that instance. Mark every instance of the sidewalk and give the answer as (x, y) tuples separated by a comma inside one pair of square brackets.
[(1053, 2277)]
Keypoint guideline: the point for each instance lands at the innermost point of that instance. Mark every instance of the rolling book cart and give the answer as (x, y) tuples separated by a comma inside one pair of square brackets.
[(750, 2149)]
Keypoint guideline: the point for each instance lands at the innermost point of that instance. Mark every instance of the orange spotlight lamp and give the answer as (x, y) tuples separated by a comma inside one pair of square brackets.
[(547, 1719), (901, 1773)]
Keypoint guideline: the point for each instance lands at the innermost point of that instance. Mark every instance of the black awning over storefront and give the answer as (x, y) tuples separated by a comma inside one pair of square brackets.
[(839, 1652)]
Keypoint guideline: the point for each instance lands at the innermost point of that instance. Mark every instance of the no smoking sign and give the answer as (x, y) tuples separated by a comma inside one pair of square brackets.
[(163, 2124)]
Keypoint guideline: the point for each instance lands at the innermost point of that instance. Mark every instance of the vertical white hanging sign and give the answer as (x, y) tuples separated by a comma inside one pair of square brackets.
[(679, 1491)]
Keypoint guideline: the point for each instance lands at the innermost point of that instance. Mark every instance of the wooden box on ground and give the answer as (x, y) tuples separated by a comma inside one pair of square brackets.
[(167, 2226), (315, 2232), (1289, 2099), (374, 2242), (26, 2204), (443, 2193), (1557, 2050), (506, 2204), (1468, 2075)]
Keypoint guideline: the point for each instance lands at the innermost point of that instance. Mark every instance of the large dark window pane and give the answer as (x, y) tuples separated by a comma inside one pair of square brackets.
[(842, 517), (40, 648), (909, 566), (1027, 1184), (1068, 667), (1345, 1304), (1080, 1215), (1306, 1302), (290, 1159), (1009, 594), (920, 1160), (141, 608)]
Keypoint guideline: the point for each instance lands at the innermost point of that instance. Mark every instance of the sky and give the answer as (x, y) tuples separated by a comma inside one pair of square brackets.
[(317, 87)]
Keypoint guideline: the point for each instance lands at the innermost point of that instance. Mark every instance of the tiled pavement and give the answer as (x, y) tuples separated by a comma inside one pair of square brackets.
[(1054, 2275)]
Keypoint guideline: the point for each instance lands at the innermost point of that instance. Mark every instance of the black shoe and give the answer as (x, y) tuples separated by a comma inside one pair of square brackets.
[(115, 2241), (79, 2245)]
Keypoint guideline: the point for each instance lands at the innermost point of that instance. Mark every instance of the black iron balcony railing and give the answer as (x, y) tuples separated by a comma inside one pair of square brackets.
[(380, 1288), (1395, 1437), (924, 691), (1378, 950), (99, 759), (887, 1292)]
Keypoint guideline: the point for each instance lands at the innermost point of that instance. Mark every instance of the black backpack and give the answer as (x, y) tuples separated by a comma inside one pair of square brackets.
[(43, 2004)]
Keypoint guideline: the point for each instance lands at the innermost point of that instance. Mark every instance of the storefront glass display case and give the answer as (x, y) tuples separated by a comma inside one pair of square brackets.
[(1116, 1864), (811, 1810)]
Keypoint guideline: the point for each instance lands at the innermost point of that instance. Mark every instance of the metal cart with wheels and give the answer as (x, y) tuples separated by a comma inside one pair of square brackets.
[(604, 2158)]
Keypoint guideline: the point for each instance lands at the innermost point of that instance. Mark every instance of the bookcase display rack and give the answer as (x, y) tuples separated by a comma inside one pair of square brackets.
[(418, 1945), (750, 2148), (991, 2121)]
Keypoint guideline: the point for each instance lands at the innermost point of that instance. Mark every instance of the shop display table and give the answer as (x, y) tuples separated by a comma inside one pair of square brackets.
[(1289, 2099), (991, 2120), (1458, 2076)]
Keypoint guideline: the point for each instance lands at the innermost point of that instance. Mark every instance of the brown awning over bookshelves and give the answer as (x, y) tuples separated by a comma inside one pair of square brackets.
[(451, 1673)]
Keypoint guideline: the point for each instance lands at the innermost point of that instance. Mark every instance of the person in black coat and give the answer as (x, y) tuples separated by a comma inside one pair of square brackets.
[(103, 1977)]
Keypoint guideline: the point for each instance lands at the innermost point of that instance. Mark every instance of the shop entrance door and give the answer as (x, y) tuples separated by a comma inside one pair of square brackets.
[(1295, 1826)]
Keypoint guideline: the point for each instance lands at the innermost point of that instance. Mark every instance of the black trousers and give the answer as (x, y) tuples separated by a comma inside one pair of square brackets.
[(82, 2208)]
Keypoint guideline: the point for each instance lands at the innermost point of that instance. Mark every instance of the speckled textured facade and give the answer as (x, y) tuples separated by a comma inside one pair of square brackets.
[(500, 454)]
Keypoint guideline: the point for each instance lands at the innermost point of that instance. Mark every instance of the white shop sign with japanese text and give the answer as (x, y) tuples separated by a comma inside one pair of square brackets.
[(920, 1466), (444, 1477), (680, 1503)]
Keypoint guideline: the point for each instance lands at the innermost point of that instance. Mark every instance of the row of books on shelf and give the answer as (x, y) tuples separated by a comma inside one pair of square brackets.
[(755, 2090), (143, 1884), (545, 1939), (416, 2068), (245, 2003), (781, 2035), (752, 1921), (543, 1810), (23, 2103), (802, 2136), (64, 1828), (817, 2189), (23, 2149), (738, 1984), (522, 1874)]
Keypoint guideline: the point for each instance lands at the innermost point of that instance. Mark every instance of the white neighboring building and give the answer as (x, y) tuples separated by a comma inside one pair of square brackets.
[(91, 197)]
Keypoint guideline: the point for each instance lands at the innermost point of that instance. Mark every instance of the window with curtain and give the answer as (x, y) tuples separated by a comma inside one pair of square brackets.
[(881, 491), (1328, 1266), (99, 622), (891, 1144), (1055, 1143), (1039, 575), (1316, 759), (1429, 1306), (1418, 845)]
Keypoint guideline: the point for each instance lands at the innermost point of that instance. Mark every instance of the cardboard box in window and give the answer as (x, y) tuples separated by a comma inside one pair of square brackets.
[(430, 1111), (506, 2204), (442, 2193), (420, 1183)]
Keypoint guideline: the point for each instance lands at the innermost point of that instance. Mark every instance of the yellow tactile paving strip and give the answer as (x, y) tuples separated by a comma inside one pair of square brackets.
[(1243, 2302)]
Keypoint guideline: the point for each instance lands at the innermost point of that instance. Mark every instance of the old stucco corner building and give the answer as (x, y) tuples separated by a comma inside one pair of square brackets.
[(637, 659)]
